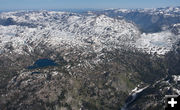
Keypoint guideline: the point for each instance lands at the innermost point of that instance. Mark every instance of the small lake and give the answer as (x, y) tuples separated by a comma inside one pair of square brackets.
[(40, 63)]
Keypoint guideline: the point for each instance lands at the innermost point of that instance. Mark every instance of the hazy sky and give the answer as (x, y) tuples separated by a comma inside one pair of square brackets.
[(99, 4)]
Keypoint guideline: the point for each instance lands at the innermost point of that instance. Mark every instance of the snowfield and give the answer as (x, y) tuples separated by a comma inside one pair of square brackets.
[(159, 43)]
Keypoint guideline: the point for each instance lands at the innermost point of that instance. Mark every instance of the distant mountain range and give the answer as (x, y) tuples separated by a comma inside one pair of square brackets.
[(148, 20)]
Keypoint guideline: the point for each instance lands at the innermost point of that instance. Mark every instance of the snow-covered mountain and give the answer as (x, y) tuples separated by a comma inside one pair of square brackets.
[(27, 30), (60, 28), (168, 11)]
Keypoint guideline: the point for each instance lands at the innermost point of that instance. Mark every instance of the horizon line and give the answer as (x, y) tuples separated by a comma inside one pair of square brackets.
[(76, 9)]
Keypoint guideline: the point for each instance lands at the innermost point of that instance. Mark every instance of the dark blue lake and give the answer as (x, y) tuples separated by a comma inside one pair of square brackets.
[(43, 63)]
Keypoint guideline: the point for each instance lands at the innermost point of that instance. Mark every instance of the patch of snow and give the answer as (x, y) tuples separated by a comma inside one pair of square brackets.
[(54, 73), (177, 91), (176, 78)]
